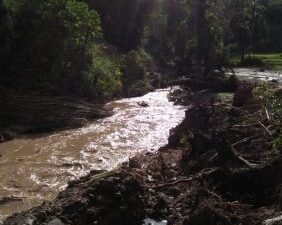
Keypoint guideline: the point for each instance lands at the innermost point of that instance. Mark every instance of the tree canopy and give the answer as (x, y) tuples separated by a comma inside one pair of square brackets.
[(75, 47)]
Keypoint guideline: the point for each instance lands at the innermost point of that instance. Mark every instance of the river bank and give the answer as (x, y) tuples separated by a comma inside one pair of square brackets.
[(216, 169), (41, 114)]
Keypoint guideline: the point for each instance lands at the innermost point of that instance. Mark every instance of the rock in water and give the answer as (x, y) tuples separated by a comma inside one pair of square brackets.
[(143, 104), (149, 221)]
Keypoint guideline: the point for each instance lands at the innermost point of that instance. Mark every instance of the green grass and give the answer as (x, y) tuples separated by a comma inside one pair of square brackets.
[(275, 2), (270, 60)]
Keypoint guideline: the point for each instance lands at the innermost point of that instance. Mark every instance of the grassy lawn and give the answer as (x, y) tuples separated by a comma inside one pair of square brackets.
[(270, 60), (275, 2)]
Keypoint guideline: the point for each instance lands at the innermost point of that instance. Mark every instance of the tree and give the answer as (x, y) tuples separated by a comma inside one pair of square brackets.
[(50, 42), (247, 24), (274, 26), (6, 36), (191, 37), (123, 21)]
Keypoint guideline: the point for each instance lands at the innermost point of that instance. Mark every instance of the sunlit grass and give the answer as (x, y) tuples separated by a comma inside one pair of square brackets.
[(275, 2), (270, 60)]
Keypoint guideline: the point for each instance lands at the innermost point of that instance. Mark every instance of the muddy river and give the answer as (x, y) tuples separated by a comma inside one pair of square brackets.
[(35, 168), (258, 74)]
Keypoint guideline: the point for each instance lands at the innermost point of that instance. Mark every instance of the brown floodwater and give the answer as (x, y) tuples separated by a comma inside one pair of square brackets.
[(257, 74), (36, 168)]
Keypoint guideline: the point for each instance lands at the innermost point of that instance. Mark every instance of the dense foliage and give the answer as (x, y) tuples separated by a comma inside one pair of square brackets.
[(58, 46), (101, 48), (47, 43)]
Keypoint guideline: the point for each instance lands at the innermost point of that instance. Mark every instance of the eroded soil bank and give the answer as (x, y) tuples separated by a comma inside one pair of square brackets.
[(218, 168), (23, 114)]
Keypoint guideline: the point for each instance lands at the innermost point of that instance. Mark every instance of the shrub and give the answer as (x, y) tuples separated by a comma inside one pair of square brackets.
[(274, 106), (273, 103), (136, 65), (102, 80), (139, 88)]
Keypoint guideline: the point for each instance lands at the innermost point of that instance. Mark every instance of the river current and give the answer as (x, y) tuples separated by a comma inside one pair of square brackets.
[(36, 168)]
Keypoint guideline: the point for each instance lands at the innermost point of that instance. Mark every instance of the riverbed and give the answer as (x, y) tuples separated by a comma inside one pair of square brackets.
[(34, 169)]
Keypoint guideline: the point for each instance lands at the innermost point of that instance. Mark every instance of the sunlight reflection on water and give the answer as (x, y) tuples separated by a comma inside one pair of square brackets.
[(38, 168)]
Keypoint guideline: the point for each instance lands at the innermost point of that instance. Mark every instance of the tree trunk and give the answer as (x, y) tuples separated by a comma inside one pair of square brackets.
[(199, 15), (242, 54)]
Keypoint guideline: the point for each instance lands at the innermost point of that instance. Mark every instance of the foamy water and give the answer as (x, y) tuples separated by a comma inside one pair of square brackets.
[(37, 168)]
